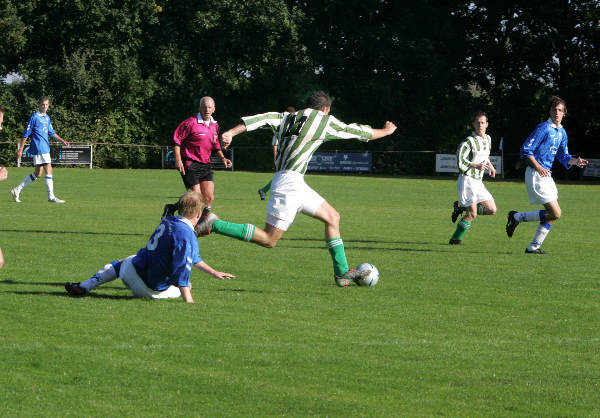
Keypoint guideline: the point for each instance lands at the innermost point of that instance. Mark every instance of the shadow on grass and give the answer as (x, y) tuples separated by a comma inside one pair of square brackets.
[(66, 295), (37, 231), (59, 284)]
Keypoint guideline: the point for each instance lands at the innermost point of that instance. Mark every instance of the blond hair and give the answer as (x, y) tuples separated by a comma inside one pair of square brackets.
[(190, 204)]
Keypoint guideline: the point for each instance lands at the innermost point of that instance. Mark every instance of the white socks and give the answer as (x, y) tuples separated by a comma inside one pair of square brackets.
[(107, 273)]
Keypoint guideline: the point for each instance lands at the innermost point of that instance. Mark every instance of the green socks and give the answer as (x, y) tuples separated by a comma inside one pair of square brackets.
[(243, 232), (461, 229), (266, 187), (481, 209), (338, 256)]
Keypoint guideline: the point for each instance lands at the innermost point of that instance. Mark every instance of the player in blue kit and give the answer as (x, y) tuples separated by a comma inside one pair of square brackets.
[(39, 128), (547, 142), (161, 269)]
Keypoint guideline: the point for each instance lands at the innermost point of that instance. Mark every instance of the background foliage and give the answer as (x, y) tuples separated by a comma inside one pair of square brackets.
[(129, 71)]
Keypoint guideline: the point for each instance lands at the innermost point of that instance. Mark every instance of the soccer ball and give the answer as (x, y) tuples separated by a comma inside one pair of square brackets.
[(372, 278)]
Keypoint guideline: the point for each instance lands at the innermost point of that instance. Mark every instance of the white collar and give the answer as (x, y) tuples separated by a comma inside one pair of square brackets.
[(200, 120), (185, 221), (553, 124)]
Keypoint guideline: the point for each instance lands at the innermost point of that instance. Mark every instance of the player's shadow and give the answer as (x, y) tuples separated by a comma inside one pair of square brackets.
[(62, 293), (37, 231), (66, 295)]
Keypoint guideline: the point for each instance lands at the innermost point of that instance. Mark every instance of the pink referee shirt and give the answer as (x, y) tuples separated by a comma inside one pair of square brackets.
[(197, 138)]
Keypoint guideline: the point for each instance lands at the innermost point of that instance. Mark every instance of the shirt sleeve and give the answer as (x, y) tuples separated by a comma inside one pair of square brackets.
[(532, 142), (180, 133), (562, 154), (51, 131), (217, 143), (463, 153), (337, 129), (269, 119), (29, 127), (185, 255)]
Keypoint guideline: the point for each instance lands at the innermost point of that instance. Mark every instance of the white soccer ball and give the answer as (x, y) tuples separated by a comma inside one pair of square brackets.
[(372, 278)]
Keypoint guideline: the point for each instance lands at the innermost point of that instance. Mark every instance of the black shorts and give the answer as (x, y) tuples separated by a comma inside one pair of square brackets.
[(195, 173)]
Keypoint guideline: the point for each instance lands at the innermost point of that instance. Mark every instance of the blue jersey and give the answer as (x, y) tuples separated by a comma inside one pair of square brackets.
[(168, 257), (546, 143), (39, 128)]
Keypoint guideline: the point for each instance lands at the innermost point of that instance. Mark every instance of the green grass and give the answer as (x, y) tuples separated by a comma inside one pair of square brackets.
[(482, 329)]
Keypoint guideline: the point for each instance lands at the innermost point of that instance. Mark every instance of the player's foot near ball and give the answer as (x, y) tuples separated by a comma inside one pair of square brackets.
[(536, 251), (15, 195), (350, 276), (204, 227), (262, 194), (455, 242), (55, 200), (74, 289), (511, 223), (456, 211), (169, 210)]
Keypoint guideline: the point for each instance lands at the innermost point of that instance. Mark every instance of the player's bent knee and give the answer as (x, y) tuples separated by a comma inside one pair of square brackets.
[(491, 211)]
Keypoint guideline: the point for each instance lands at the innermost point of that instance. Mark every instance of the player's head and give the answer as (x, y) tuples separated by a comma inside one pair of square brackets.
[(207, 107), (480, 122), (319, 100), (44, 104), (191, 205), (290, 109), (557, 108)]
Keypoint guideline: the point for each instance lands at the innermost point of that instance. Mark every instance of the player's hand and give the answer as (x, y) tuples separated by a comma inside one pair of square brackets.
[(67, 143), (492, 171), (579, 162), (389, 127), (222, 275), (180, 167), (19, 153), (227, 162), (543, 172), (226, 139), (3, 173)]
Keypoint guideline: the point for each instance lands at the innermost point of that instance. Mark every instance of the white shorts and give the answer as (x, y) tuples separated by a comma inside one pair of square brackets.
[(540, 190), (41, 159), (290, 195), (471, 191), (134, 282)]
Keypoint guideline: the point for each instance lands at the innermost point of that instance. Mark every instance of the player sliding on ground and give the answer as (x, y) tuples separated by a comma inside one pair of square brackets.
[(300, 134), (161, 269)]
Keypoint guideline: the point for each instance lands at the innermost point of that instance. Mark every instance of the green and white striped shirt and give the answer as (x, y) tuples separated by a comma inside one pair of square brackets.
[(300, 134), (473, 150)]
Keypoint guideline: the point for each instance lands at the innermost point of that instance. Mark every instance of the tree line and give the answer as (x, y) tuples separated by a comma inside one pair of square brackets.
[(129, 71)]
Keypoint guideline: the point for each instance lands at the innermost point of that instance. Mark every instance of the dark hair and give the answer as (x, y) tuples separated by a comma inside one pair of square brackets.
[(1, 109), (318, 100), (43, 99), (479, 113), (554, 101)]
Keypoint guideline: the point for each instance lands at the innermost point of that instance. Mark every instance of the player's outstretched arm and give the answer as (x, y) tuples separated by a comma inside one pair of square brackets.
[(209, 270), (579, 162), (388, 129), (228, 135)]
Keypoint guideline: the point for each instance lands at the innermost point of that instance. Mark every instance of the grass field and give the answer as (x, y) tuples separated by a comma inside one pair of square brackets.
[(478, 330)]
